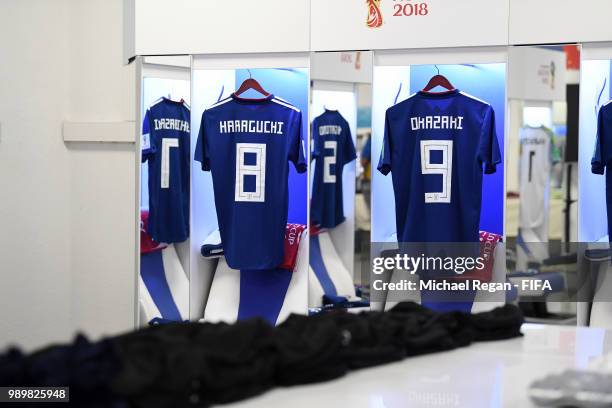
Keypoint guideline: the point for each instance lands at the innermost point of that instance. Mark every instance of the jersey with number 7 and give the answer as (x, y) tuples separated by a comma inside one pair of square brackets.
[(247, 145), (166, 148), (437, 146)]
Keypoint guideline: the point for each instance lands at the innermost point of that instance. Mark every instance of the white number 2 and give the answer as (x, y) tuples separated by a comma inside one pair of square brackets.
[(258, 170), (328, 161), (167, 143), (445, 169)]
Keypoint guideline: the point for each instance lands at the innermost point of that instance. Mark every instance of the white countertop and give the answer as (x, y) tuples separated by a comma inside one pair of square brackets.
[(490, 374)]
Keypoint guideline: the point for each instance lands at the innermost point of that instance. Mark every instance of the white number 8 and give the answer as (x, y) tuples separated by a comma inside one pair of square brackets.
[(445, 169), (258, 170)]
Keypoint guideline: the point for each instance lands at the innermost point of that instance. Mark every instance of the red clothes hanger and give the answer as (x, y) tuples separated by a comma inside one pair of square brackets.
[(251, 83), (438, 80)]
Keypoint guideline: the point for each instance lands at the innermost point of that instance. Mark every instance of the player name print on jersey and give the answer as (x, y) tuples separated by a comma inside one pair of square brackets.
[(247, 145), (534, 141), (329, 130), (171, 124), (333, 148), (251, 126), (437, 147), (436, 122), (166, 148)]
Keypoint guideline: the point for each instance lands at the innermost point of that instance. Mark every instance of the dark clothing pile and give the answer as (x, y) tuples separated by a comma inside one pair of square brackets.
[(202, 364)]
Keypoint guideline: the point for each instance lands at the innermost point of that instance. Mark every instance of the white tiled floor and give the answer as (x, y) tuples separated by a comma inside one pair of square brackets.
[(493, 374)]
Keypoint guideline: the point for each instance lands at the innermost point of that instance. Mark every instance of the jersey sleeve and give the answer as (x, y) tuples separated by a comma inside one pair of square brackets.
[(315, 148), (147, 148), (602, 153), (349, 152), (297, 153), (201, 150), (488, 152), (384, 163)]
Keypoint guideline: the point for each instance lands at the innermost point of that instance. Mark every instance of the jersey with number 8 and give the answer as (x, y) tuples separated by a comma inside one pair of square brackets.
[(437, 145), (247, 145), (165, 146)]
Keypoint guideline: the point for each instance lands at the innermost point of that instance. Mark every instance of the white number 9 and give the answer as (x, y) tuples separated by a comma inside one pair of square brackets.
[(445, 169)]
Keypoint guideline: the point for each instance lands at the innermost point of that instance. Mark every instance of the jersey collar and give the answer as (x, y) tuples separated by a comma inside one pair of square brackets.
[(251, 100), (443, 94)]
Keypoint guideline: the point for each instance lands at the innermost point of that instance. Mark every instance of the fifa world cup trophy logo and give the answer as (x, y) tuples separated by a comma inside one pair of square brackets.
[(375, 18), (552, 75)]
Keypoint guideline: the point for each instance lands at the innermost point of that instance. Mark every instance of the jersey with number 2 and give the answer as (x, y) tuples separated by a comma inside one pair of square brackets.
[(333, 149), (437, 146), (247, 145), (166, 148)]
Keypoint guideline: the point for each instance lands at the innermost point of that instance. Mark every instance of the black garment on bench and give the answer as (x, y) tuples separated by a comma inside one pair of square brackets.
[(202, 364)]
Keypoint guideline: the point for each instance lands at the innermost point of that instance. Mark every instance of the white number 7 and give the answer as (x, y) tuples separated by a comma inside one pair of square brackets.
[(167, 143), (445, 169)]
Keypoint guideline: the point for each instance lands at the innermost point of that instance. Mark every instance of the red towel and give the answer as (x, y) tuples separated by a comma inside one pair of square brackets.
[(316, 230), (488, 242), (147, 245), (293, 236)]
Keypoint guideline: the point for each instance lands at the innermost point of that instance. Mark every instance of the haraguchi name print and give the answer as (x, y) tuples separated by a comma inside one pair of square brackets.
[(330, 130), (171, 124), (436, 122), (251, 126)]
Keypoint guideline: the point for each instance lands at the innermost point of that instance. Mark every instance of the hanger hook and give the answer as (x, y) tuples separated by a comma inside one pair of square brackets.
[(437, 69), (250, 76)]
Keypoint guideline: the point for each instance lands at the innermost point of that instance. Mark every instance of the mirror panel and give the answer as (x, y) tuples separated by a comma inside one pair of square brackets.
[(163, 282), (340, 176), (542, 183)]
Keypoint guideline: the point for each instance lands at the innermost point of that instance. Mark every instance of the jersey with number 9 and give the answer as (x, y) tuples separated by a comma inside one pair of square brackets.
[(247, 145), (437, 145), (166, 146)]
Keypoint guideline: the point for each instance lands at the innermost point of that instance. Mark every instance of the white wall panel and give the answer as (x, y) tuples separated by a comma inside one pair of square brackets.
[(353, 66), (559, 21), (251, 61), (103, 176), (341, 25), (115, 132), (35, 250), (472, 55), (102, 207), (164, 27), (67, 210), (536, 74)]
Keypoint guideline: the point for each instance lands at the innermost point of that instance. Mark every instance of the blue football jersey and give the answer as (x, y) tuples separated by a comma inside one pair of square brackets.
[(332, 148), (437, 146), (166, 147), (602, 157), (247, 144)]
